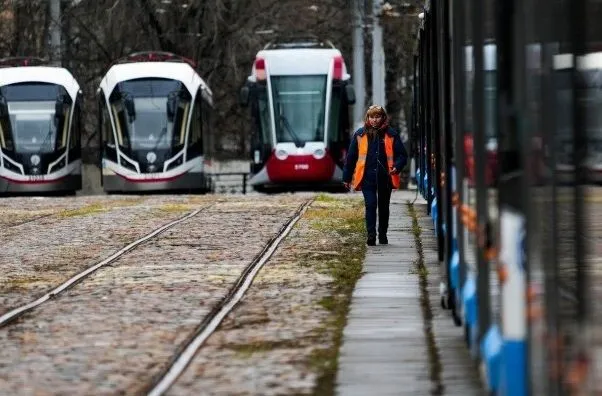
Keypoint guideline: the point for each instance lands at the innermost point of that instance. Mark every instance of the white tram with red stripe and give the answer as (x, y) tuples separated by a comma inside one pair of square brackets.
[(40, 127), (299, 94), (155, 120)]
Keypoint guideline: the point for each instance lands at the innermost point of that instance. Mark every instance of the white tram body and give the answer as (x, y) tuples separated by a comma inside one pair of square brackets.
[(298, 92), (155, 119), (40, 128)]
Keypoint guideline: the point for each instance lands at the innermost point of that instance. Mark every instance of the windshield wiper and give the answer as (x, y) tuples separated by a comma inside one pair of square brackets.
[(291, 132)]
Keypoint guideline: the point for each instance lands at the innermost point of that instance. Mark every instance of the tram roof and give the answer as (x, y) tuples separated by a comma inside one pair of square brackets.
[(170, 70), (43, 74), (301, 61)]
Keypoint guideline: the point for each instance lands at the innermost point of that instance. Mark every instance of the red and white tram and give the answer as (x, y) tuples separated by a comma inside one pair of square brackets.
[(299, 94)]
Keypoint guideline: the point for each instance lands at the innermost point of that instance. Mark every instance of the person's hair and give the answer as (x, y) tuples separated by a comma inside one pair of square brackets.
[(372, 111), (375, 110)]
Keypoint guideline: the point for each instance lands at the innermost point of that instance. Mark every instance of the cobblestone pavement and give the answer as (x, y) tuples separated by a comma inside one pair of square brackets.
[(115, 330), (41, 253), (276, 340)]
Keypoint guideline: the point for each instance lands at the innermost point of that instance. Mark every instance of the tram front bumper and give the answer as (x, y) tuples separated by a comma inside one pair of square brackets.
[(185, 182), (69, 183)]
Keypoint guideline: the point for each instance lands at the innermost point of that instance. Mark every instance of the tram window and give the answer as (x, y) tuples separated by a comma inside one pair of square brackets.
[(207, 122), (196, 123), (25, 92), (264, 115), (298, 105), (490, 104), (334, 130), (149, 129), (66, 122), (564, 116), (120, 123), (181, 119), (468, 103), (2, 144), (593, 119), (5, 130), (75, 129), (33, 133), (105, 125)]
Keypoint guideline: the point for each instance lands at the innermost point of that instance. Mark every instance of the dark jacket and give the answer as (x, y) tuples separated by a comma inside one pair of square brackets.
[(375, 170)]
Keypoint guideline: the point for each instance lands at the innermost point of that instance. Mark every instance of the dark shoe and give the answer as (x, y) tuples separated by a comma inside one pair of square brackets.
[(371, 241), (383, 240)]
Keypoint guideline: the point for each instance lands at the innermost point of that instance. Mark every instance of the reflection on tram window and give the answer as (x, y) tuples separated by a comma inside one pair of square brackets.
[(152, 111), (33, 126), (298, 105), (150, 128)]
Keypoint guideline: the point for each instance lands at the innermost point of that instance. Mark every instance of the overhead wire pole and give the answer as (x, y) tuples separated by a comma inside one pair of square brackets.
[(378, 57), (359, 80), (55, 32)]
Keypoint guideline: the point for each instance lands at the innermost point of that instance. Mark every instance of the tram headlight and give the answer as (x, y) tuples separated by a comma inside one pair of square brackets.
[(35, 160), (281, 154), (319, 153)]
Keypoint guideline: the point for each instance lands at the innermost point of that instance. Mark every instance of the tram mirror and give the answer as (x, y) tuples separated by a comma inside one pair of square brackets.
[(244, 96), (350, 94)]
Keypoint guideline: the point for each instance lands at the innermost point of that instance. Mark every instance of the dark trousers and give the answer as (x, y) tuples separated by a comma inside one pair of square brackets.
[(377, 197)]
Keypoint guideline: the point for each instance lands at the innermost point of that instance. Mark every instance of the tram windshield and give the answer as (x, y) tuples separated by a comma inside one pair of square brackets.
[(299, 106), (34, 125), (151, 113)]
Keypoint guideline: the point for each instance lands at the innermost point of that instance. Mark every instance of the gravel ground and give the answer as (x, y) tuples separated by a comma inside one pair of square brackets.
[(274, 342), (114, 331), (42, 253)]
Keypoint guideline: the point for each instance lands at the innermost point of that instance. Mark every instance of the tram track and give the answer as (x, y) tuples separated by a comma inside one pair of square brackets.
[(19, 311), (185, 353), (58, 213), (31, 220), (117, 330)]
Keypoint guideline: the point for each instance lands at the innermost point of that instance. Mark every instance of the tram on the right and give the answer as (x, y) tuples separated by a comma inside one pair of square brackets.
[(507, 138)]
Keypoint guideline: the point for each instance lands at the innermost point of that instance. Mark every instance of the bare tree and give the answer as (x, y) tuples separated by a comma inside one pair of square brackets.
[(221, 36)]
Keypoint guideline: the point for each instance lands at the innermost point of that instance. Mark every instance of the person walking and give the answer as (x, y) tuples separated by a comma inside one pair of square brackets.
[(374, 161)]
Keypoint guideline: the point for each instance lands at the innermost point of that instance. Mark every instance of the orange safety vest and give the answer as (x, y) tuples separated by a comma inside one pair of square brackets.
[(362, 146)]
